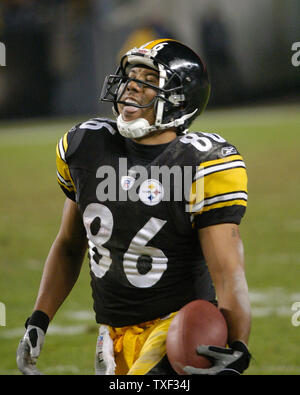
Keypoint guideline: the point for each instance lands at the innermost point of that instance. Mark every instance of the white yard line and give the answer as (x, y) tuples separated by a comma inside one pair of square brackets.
[(264, 303), (272, 301), (86, 316), (68, 330)]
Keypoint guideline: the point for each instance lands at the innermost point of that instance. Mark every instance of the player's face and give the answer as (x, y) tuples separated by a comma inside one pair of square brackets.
[(140, 94)]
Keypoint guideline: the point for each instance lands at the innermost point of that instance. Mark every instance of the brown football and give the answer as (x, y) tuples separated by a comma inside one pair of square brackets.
[(198, 322)]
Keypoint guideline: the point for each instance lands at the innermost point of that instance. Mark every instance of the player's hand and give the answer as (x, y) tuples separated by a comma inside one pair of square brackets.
[(226, 361), (31, 344)]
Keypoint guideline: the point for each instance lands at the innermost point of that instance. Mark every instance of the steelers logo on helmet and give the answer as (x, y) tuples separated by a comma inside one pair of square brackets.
[(151, 192), (182, 92)]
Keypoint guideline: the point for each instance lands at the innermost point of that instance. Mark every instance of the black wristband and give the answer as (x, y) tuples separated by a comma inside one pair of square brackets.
[(39, 319)]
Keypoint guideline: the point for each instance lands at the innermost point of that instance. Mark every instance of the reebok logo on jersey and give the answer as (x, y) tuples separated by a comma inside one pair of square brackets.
[(230, 150)]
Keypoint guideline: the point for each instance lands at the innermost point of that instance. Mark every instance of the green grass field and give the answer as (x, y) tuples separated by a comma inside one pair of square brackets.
[(31, 205)]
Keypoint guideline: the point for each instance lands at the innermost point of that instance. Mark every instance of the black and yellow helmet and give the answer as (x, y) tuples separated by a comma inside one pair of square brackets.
[(183, 90)]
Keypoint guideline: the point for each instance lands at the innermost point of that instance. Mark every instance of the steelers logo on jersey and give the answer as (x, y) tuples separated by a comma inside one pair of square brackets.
[(151, 192)]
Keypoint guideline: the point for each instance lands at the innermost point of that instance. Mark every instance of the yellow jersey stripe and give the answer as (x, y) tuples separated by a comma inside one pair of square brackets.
[(221, 160), (61, 150), (218, 165), (70, 189), (207, 204), (225, 181), (61, 180), (63, 172), (219, 189), (223, 204), (65, 141)]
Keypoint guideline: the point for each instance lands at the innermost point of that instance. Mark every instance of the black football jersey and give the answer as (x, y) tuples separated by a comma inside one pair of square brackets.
[(142, 219)]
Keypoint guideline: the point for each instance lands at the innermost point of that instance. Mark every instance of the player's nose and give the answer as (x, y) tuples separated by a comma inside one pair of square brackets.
[(134, 85)]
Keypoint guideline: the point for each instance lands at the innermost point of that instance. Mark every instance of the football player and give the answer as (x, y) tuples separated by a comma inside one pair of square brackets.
[(158, 209)]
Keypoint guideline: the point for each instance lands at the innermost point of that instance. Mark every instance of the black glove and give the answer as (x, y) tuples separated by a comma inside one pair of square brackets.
[(226, 361)]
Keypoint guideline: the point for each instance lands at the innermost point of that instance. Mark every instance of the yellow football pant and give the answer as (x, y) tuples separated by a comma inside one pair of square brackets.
[(139, 348)]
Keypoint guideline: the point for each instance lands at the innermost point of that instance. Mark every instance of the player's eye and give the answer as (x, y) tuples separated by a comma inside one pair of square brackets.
[(152, 80)]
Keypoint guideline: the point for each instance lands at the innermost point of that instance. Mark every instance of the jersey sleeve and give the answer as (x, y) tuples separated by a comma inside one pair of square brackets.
[(62, 169), (219, 192)]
